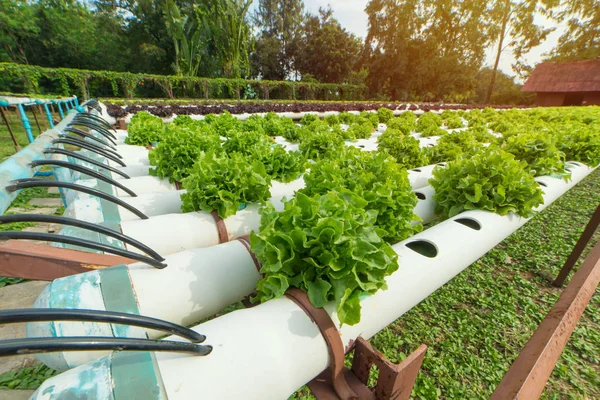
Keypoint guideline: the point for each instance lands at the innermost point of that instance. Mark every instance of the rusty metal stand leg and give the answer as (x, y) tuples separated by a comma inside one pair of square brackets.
[(39, 107), (10, 131), (36, 120), (585, 237)]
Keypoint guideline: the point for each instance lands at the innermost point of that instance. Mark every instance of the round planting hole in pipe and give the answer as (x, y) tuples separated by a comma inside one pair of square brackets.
[(421, 196), (469, 222), (575, 163), (416, 170), (423, 247), (442, 164), (542, 183)]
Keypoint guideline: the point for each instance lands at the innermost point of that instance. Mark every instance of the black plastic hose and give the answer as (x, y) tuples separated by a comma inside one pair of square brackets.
[(92, 125), (110, 144), (67, 314), (50, 237), (83, 170), (14, 347), (79, 156), (85, 145), (93, 146), (36, 182), (53, 219)]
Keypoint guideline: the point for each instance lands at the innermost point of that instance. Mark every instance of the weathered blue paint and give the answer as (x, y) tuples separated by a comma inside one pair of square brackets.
[(76, 100), (135, 376), (87, 382), (117, 292), (17, 166), (60, 110), (25, 122), (46, 329), (49, 115)]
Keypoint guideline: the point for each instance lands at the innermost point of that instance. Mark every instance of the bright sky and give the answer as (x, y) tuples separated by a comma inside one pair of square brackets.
[(352, 16)]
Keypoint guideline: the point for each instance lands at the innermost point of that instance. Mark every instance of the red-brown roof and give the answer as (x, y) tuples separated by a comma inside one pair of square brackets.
[(579, 76)]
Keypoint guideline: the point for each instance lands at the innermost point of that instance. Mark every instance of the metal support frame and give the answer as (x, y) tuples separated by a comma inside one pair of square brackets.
[(531, 370), (585, 237), (26, 123), (49, 115), (10, 131), (60, 110), (42, 262), (395, 381)]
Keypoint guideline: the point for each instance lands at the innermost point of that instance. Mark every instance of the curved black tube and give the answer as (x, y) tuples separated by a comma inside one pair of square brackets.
[(96, 118), (93, 103), (53, 219), (84, 145), (56, 150), (14, 347), (93, 146), (69, 314), (97, 121), (80, 132), (33, 182), (92, 125), (50, 237), (83, 170)]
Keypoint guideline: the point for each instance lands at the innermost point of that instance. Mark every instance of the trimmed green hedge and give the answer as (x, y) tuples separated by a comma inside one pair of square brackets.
[(22, 78)]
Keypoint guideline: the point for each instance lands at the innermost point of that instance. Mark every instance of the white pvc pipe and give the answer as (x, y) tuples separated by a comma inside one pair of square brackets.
[(278, 339), (188, 302)]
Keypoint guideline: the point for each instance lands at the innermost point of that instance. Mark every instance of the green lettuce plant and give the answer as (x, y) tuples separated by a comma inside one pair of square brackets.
[(375, 177), (404, 148), (144, 129), (284, 166), (491, 180), (179, 149), (327, 245), (224, 182), (319, 144)]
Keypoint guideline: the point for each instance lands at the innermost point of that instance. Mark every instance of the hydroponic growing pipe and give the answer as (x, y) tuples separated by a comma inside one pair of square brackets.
[(278, 339), (201, 282)]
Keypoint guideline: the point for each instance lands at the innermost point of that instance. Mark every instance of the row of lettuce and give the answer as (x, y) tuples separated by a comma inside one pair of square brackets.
[(333, 238)]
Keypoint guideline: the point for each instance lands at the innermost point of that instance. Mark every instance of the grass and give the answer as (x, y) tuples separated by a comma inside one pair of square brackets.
[(7, 148), (27, 378), (476, 325)]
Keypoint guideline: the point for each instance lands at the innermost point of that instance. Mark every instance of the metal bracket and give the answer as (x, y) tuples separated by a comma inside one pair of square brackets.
[(395, 381)]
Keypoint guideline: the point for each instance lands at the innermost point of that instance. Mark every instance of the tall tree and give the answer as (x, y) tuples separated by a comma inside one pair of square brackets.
[(18, 24), (227, 31), (581, 41), (186, 37), (424, 49), (513, 20), (327, 51), (280, 23)]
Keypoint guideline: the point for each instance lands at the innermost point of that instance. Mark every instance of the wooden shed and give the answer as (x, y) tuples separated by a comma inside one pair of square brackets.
[(565, 83)]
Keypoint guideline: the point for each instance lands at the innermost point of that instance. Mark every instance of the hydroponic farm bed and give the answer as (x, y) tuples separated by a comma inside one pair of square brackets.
[(370, 213)]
